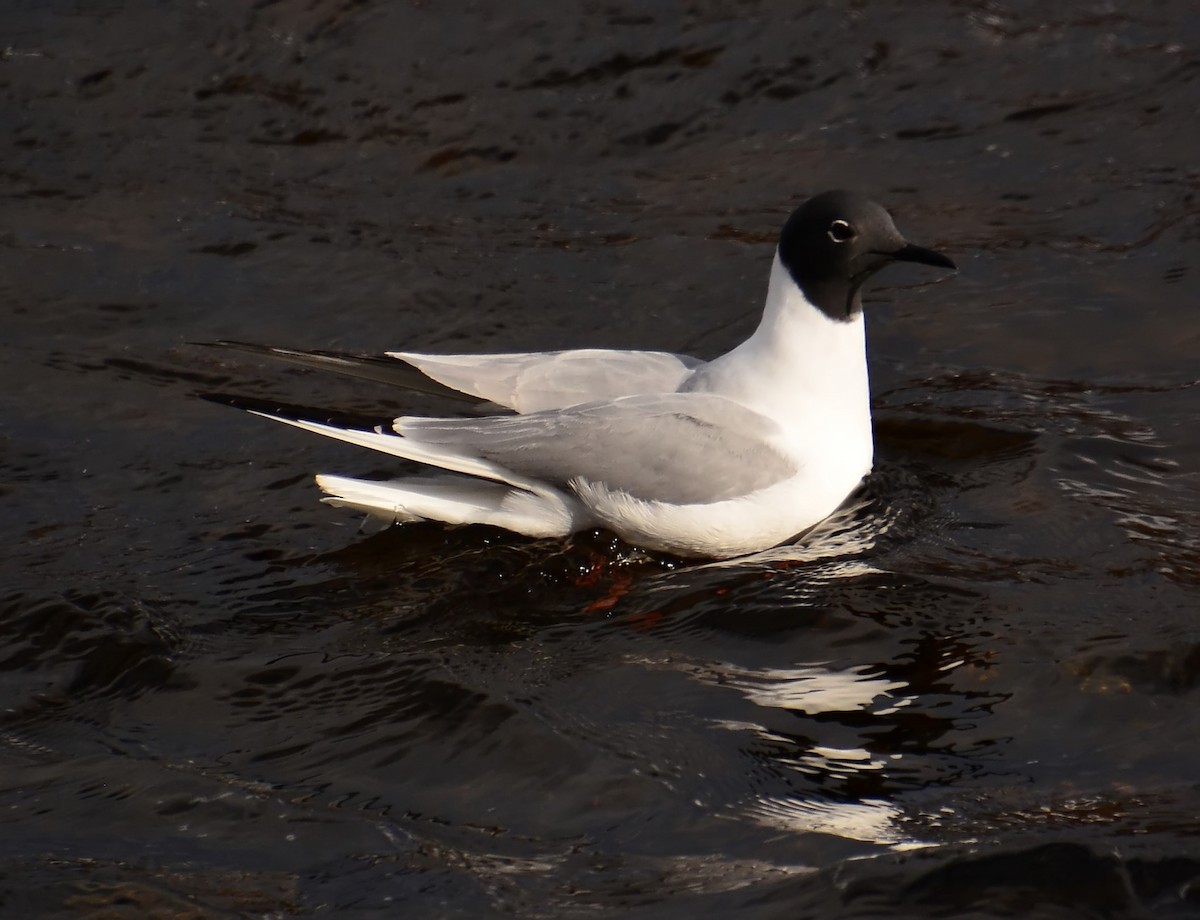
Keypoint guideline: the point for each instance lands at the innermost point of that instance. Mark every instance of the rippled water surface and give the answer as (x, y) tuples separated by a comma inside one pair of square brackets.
[(972, 692)]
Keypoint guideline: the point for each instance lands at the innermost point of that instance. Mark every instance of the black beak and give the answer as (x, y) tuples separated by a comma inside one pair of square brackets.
[(911, 253)]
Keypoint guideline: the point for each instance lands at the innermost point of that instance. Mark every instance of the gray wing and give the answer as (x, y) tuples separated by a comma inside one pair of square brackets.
[(536, 381), (680, 448)]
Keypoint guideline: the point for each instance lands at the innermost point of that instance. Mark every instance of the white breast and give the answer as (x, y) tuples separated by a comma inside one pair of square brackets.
[(806, 372)]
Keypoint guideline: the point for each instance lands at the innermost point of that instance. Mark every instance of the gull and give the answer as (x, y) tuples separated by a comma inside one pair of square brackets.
[(697, 459)]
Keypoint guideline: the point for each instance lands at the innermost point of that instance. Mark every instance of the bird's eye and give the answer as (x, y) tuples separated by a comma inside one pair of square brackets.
[(840, 231)]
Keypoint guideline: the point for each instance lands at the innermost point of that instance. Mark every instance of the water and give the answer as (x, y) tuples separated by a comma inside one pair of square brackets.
[(973, 693)]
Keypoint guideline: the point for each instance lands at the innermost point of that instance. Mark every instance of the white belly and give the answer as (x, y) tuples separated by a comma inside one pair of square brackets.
[(728, 528)]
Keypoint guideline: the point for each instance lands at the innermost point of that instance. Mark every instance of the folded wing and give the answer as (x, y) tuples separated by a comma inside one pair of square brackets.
[(523, 382), (678, 448), (686, 448), (533, 382)]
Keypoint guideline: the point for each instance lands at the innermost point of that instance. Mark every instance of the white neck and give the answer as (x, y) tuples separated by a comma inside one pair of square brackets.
[(801, 368)]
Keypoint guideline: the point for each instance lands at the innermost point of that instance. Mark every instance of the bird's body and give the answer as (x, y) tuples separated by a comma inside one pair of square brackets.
[(713, 459)]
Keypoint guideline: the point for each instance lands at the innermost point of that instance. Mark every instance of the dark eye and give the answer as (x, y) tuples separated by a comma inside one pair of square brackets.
[(840, 231)]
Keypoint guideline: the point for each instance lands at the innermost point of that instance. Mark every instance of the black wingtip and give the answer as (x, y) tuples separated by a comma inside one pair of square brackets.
[(246, 403), (296, 412), (248, 347), (376, 368)]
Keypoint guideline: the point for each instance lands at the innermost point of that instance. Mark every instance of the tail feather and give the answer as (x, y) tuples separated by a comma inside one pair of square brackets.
[(470, 491), (435, 455), (455, 500)]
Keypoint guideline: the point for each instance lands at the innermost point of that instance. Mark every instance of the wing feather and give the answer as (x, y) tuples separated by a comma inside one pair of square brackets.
[(532, 382), (678, 448)]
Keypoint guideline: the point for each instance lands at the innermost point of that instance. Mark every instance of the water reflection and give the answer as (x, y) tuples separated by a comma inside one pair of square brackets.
[(875, 821), (813, 689)]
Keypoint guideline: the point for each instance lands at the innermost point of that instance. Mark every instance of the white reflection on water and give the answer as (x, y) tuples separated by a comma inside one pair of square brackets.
[(869, 820), (813, 688)]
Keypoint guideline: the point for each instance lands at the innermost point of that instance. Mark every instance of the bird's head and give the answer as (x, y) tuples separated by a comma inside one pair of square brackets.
[(837, 240)]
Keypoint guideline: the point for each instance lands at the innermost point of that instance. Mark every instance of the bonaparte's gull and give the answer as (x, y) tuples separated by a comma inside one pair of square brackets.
[(693, 458)]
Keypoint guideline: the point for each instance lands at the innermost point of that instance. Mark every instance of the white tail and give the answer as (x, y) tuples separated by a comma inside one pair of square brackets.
[(457, 500)]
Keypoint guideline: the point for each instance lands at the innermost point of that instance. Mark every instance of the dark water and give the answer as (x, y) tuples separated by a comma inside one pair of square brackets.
[(975, 694)]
